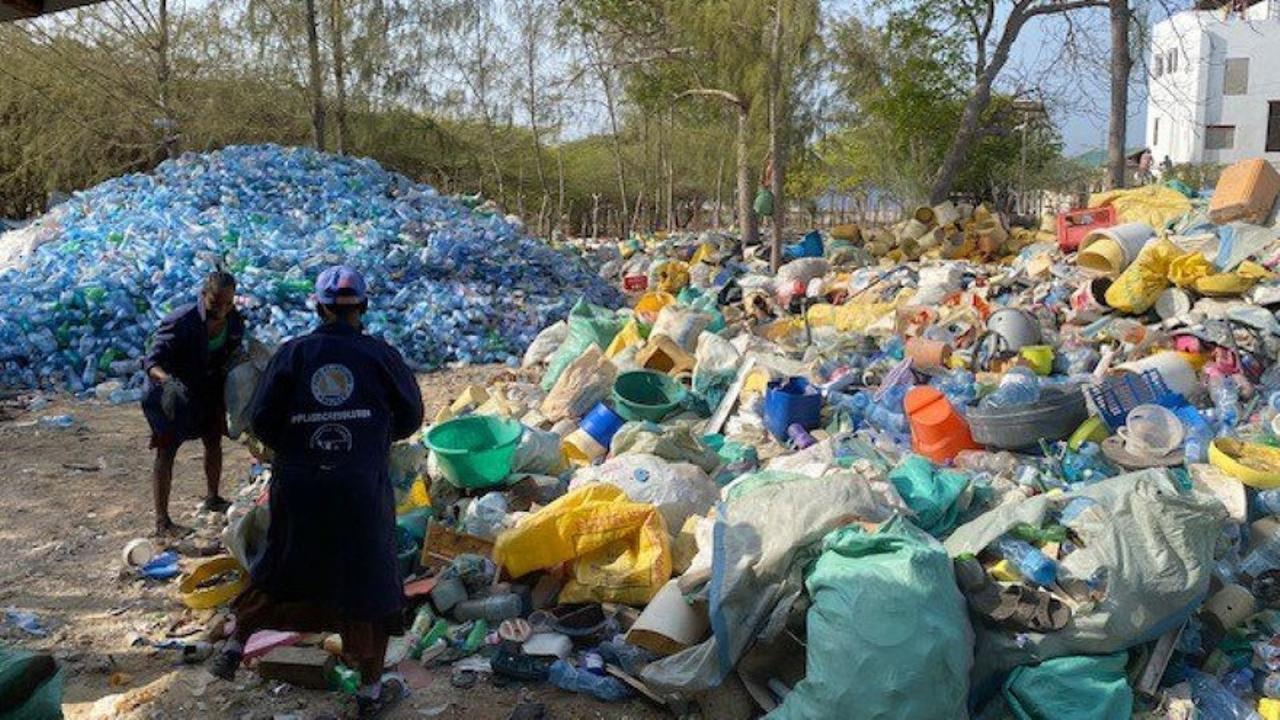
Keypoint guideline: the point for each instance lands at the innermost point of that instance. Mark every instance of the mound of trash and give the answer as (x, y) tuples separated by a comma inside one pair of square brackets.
[(88, 282)]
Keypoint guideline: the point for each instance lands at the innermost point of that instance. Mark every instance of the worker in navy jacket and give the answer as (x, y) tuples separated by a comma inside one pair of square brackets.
[(191, 354), (329, 405)]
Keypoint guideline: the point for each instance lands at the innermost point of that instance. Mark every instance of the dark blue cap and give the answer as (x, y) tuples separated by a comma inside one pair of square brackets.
[(340, 285)]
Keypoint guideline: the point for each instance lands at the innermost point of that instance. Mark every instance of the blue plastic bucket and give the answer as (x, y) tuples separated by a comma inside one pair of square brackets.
[(793, 401), (602, 423)]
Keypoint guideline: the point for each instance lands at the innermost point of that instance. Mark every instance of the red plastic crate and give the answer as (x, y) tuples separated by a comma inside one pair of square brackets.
[(1074, 225), (635, 283)]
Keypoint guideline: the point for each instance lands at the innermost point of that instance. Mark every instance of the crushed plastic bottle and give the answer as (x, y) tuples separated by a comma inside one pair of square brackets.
[(1226, 402), (1215, 702), (1020, 386), (1033, 564), (449, 284)]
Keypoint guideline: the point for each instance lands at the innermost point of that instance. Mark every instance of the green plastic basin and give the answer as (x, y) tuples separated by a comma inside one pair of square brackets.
[(475, 451), (646, 395)]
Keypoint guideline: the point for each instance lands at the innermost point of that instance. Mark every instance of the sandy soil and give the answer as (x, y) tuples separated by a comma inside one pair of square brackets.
[(69, 501)]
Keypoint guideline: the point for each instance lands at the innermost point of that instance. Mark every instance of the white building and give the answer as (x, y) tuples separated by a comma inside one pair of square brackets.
[(1214, 88)]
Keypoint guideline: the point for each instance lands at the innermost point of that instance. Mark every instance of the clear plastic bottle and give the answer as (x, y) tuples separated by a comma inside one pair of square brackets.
[(1226, 402), (1033, 564), (1215, 702), (1266, 556), (607, 688), (1267, 502), (1020, 386)]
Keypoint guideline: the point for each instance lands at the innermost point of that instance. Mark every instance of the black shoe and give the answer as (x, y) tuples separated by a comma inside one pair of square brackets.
[(215, 504), (225, 665)]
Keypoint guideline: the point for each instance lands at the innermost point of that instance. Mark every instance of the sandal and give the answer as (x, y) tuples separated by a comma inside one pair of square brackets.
[(171, 530)]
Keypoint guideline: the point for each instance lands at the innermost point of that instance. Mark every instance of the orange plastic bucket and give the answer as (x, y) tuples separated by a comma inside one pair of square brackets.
[(938, 432)]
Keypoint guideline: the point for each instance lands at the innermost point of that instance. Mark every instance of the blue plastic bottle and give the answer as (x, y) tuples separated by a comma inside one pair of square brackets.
[(1033, 564)]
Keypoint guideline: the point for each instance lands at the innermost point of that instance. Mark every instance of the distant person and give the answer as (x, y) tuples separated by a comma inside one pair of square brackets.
[(186, 368), (1166, 167), (330, 404)]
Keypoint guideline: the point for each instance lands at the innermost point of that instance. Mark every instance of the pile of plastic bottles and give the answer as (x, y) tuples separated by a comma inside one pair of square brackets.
[(448, 283)]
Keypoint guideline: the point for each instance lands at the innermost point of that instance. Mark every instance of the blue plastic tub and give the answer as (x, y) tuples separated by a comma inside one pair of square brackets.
[(793, 401), (602, 423)]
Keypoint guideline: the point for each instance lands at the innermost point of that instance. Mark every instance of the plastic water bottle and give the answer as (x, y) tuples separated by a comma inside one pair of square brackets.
[(995, 463), (1020, 386), (1033, 564), (493, 609), (1226, 402), (607, 688), (1264, 557), (958, 387), (1215, 702), (1267, 502)]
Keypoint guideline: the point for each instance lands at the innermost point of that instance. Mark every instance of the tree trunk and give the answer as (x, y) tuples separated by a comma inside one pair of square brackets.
[(746, 216), (715, 221), (339, 73), (1121, 64), (316, 85), (619, 166), (531, 58), (970, 120), (164, 75), (560, 217), (776, 120)]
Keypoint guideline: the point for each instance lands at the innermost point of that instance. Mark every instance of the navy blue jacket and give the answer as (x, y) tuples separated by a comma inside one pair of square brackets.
[(180, 347), (329, 405)]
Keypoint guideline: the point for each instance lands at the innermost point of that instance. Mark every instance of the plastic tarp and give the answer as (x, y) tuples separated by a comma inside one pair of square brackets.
[(761, 543), (588, 325), (678, 489), (888, 632), (30, 686), (932, 493), (1153, 541), (618, 550), (1155, 205), (1071, 688), (675, 441)]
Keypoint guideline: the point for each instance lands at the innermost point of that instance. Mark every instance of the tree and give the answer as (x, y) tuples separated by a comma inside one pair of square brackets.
[(1121, 66), (316, 84), (336, 29), (981, 21)]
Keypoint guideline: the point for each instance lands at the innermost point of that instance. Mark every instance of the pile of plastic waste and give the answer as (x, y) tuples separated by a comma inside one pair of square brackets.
[(88, 282), (1037, 479)]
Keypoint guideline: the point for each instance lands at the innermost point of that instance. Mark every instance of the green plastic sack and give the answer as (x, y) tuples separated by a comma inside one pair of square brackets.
[(588, 325), (932, 493), (1077, 687), (30, 686), (888, 632), (764, 203)]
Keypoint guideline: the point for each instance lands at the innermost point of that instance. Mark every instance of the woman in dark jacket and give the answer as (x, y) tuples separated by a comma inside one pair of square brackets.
[(187, 367)]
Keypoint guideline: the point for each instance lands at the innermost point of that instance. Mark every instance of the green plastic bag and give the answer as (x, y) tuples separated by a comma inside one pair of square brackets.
[(932, 493), (1076, 687), (888, 631), (588, 325), (30, 686), (764, 203)]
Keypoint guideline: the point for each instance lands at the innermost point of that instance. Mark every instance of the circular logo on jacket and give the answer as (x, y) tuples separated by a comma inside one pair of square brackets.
[(331, 438), (332, 384)]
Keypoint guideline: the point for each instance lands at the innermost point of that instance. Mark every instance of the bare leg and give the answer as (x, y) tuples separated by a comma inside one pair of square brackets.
[(162, 484)]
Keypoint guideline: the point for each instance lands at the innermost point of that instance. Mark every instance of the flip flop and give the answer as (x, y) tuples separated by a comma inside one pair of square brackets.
[(172, 531)]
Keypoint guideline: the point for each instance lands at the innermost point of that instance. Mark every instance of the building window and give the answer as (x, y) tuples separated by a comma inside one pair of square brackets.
[(1273, 126), (1235, 77), (1220, 137), (1158, 70), (1171, 64), (1155, 131)]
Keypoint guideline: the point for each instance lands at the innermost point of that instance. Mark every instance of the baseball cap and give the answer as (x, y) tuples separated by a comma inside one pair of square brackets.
[(340, 285)]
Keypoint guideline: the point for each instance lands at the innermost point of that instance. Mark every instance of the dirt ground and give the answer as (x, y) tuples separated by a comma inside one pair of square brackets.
[(71, 498)]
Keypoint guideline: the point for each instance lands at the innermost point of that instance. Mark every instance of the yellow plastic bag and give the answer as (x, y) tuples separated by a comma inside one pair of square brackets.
[(1186, 269), (671, 276), (619, 550), (705, 253), (1137, 288), (1238, 282), (852, 317), (1155, 205), (629, 335)]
